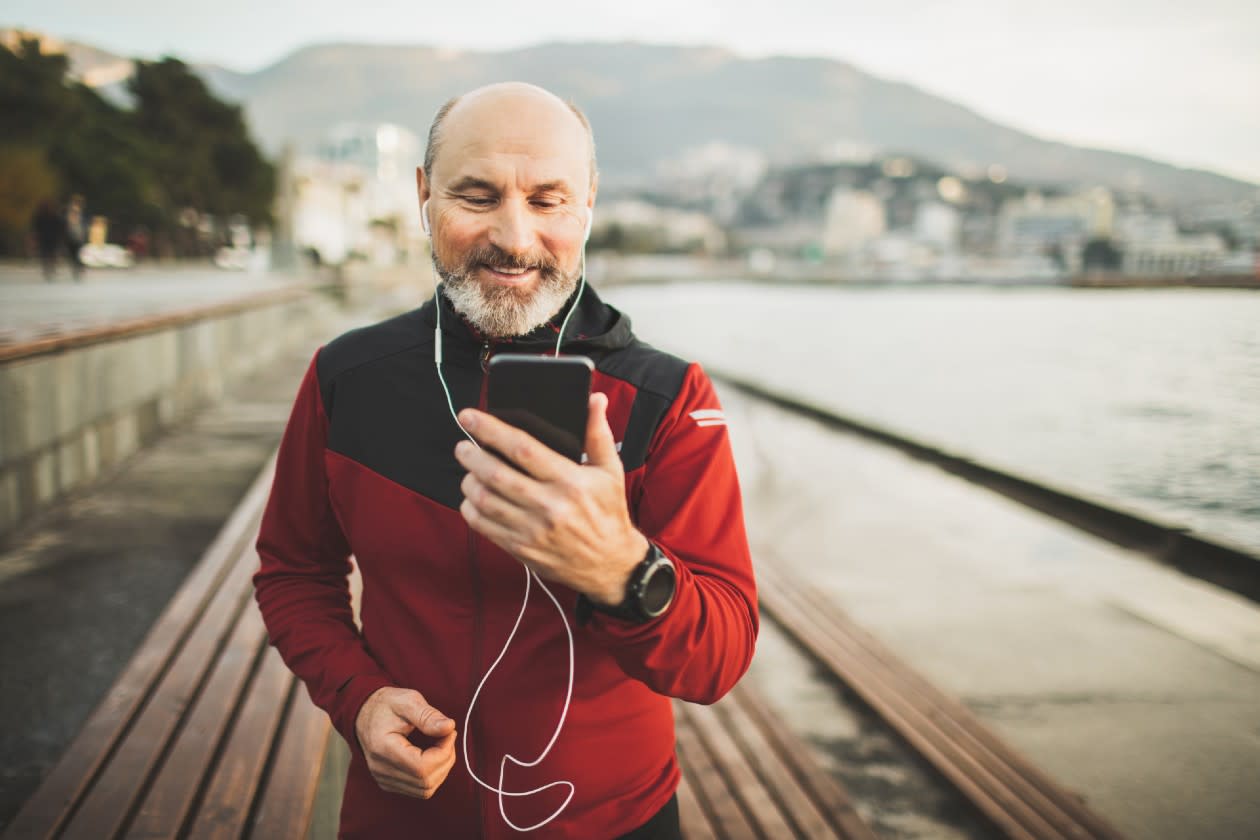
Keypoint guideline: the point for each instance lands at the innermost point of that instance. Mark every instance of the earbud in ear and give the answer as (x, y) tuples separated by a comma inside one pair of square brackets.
[(590, 222), (424, 218)]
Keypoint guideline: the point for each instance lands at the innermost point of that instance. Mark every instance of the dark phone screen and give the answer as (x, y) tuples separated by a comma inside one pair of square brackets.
[(544, 395)]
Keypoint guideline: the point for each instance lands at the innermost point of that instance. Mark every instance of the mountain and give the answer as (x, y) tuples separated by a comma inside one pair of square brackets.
[(651, 103), (648, 103)]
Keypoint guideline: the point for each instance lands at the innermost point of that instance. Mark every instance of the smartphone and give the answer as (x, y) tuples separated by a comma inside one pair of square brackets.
[(546, 396)]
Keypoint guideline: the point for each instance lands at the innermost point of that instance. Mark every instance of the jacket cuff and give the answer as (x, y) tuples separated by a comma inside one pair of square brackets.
[(350, 700)]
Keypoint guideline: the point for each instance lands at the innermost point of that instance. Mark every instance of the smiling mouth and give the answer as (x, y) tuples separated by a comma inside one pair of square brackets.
[(509, 275)]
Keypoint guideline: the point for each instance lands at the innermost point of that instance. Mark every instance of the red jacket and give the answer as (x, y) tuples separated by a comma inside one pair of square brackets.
[(366, 467)]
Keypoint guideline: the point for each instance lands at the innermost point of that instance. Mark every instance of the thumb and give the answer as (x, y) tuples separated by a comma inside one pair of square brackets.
[(424, 717), (601, 450)]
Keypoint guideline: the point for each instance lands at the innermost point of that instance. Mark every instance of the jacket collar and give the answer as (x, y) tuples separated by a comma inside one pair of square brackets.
[(595, 329)]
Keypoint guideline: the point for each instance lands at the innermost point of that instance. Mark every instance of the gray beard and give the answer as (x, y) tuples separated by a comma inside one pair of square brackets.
[(504, 311)]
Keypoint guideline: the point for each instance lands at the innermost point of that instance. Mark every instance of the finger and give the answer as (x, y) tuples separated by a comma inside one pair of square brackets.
[(495, 473), (493, 506), (601, 449), (524, 451), (406, 785), (422, 716), (437, 760), (421, 770), (505, 538)]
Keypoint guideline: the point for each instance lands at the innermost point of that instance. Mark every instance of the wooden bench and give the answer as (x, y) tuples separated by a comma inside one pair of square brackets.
[(1017, 797), (747, 775), (206, 734)]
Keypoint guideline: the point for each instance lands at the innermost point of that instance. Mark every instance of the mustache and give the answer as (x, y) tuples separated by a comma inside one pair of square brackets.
[(493, 255)]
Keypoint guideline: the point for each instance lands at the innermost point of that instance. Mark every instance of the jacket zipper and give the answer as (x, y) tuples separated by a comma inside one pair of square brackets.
[(477, 624), (475, 758)]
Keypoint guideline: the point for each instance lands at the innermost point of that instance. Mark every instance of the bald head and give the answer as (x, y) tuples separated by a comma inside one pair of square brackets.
[(511, 115)]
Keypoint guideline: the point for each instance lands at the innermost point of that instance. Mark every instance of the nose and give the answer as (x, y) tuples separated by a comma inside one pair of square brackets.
[(513, 229)]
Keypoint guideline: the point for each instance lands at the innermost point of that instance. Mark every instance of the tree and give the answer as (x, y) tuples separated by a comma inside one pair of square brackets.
[(202, 154), (179, 148), (26, 179)]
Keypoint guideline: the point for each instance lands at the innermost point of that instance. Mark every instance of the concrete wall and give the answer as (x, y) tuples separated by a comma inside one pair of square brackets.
[(68, 416)]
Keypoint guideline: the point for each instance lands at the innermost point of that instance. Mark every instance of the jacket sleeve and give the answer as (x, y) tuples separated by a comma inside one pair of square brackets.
[(302, 584), (690, 507)]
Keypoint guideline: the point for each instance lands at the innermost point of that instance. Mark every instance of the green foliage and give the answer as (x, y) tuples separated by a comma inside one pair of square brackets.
[(179, 147), (25, 179), (202, 155)]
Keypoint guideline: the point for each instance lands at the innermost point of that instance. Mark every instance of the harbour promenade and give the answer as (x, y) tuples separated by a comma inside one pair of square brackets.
[(1130, 684)]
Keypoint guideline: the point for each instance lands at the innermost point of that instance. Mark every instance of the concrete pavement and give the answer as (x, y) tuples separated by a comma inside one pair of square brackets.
[(31, 308)]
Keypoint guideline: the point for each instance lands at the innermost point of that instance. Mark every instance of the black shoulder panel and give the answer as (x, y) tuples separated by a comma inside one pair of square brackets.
[(658, 377), (386, 408), (368, 344)]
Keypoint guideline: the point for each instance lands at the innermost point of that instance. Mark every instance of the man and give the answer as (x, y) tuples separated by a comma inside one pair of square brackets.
[(50, 232), (643, 545)]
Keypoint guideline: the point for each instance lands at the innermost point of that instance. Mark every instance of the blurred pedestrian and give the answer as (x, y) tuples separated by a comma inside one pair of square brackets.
[(76, 234), (138, 242), (50, 231)]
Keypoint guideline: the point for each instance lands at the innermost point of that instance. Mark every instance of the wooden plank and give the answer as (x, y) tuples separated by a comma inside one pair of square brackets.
[(1042, 795), (773, 773), (170, 799), (1049, 794), (47, 810), (107, 805), (695, 825), (225, 810), (1002, 806), (288, 794), (708, 784), (734, 765), (752, 719)]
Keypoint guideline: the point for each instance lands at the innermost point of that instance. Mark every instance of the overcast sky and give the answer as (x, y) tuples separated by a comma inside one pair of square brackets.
[(1175, 80)]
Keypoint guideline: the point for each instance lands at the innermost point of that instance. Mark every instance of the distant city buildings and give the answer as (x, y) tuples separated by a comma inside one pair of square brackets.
[(1055, 226), (897, 218), (356, 195)]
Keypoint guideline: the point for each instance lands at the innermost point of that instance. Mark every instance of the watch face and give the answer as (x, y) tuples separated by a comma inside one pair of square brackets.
[(658, 590)]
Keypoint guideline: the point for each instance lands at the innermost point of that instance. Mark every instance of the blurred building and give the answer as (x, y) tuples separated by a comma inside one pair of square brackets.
[(641, 227), (356, 196), (1238, 222), (712, 178), (1152, 246), (853, 218), (938, 225), (1058, 226)]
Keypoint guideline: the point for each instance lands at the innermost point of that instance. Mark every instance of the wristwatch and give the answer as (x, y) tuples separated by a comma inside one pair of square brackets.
[(649, 592)]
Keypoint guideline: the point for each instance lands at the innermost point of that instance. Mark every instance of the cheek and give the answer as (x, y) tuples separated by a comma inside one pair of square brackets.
[(452, 242), (565, 250)]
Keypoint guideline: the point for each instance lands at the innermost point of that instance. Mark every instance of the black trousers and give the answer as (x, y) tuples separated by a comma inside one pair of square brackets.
[(663, 826)]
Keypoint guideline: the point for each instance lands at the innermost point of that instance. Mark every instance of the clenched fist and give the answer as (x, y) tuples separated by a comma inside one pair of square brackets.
[(386, 719)]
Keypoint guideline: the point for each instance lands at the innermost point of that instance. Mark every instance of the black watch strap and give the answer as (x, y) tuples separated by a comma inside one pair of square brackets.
[(654, 574)]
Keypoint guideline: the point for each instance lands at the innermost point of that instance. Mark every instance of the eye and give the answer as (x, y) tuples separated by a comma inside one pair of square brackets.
[(478, 200)]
